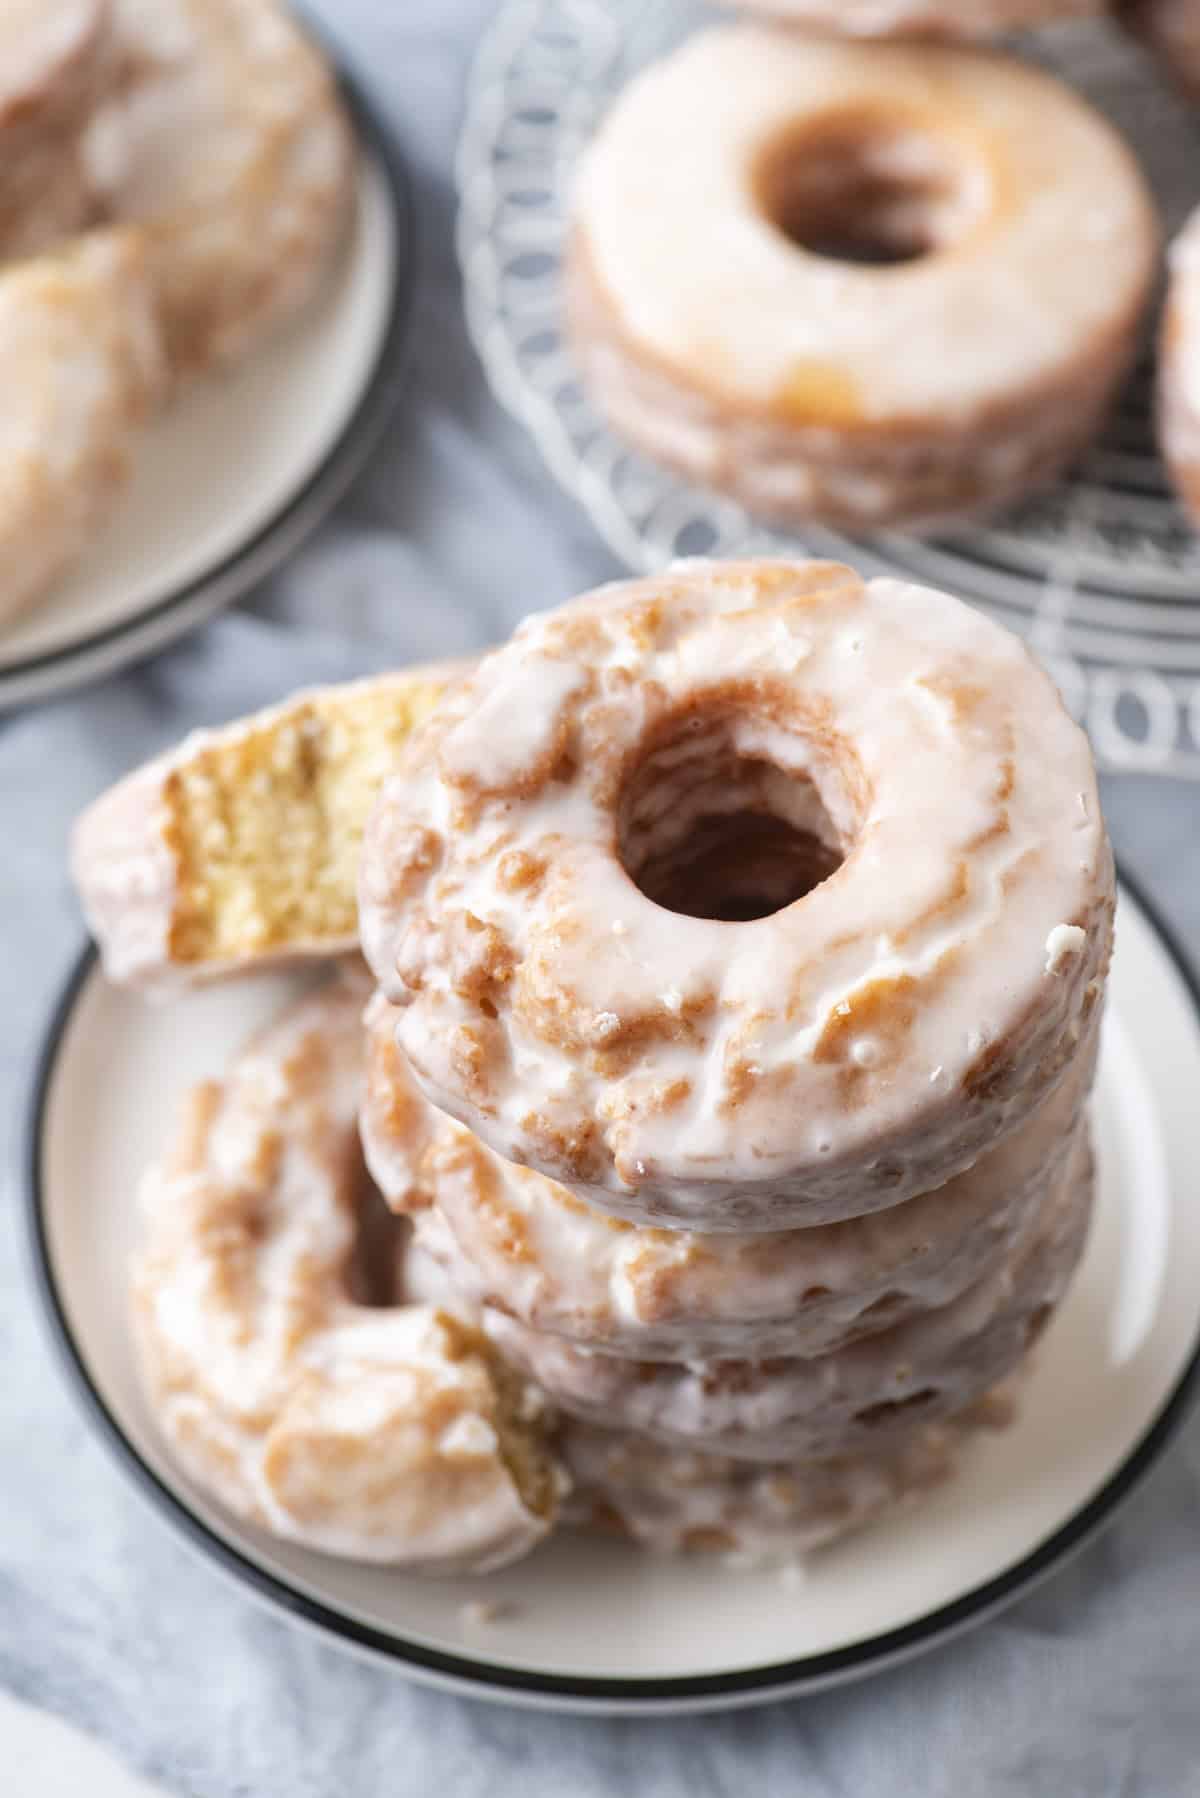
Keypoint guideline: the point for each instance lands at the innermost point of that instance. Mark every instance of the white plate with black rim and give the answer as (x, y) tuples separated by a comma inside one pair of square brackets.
[(246, 464), (591, 1625)]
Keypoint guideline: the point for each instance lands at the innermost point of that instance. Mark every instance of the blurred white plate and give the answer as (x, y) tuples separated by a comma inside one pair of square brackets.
[(246, 464), (596, 1626)]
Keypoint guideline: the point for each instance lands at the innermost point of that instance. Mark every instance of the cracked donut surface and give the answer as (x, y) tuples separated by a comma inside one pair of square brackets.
[(747, 897)]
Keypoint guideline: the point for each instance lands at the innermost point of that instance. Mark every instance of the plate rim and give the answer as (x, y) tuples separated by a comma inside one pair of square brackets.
[(485, 1679), (47, 673)]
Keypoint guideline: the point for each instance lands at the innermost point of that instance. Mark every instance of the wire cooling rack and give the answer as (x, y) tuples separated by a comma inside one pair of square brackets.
[(1102, 575)]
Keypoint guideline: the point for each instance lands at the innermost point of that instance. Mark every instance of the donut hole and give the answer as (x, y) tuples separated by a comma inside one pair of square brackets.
[(863, 188), (373, 1268), (710, 830)]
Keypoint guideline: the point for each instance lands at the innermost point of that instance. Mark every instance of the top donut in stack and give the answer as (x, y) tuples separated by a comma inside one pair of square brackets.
[(752, 923)]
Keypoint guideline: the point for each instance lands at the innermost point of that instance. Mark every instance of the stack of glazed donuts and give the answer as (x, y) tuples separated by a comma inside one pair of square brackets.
[(740, 938), (848, 267)]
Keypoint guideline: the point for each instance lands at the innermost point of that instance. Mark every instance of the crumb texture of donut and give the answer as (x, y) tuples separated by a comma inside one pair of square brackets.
[(717, 939), (242, 846)]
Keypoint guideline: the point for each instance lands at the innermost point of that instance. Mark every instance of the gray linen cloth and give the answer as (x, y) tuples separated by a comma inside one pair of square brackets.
[(1088, 1689)]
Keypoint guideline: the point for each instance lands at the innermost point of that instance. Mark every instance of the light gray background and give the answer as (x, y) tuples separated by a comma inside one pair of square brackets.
[(1089, 1689)]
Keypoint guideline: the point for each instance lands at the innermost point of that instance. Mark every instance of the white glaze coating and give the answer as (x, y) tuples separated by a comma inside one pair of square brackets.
[(863, 1044), (1055, 246), (851, 1401), (370, 1432), (227, 143), (922, 18), (80, 371), (523, 1243)]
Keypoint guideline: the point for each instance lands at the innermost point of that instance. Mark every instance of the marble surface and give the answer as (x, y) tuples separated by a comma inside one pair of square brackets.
[(1088, 1689)]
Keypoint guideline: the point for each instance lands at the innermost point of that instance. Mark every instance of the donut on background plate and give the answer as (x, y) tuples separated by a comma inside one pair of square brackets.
[(867, 284)]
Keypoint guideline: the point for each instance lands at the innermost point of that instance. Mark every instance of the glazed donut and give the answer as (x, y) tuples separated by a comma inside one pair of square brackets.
[(922, 18), (727, 325), (676, 910), (81, 371), (239, 847), (53, 58), (1171, 29), (1179, 368), (227, 143), (524, 1245), (847, 1403), (386, 1432), (672, 1500)]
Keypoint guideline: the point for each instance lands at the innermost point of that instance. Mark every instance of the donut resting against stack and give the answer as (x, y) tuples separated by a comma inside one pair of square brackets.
[(740, 938)]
